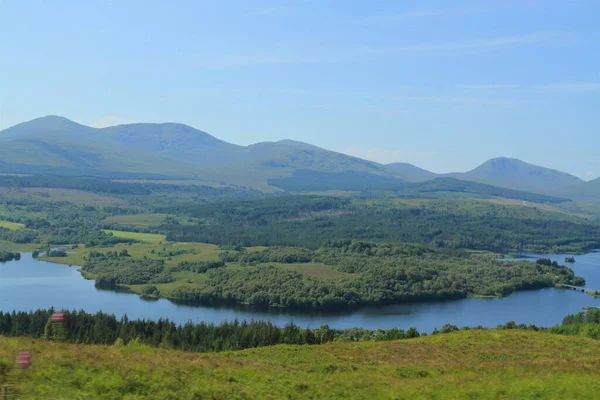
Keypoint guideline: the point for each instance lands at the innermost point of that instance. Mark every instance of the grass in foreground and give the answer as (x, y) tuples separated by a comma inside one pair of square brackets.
[(463, 365)]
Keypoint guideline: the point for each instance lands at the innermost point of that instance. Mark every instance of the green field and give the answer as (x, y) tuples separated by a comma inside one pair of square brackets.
[(140, 220), (5, 245), (142, 237), (462, 365), (152, 248), (11, 225)]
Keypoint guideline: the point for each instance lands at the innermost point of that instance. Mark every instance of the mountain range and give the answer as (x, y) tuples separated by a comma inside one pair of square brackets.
[(57, 145)]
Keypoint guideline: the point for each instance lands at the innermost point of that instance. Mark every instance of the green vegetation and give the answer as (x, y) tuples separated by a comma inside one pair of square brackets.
[(310, 221), (9, 256), (145, 220), (189, 244), (11, 225), (584, 324), (100, 328), (341, 274), (475, 364), (142, 237)]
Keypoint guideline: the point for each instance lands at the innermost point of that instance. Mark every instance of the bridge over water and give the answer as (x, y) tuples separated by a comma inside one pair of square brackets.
[(578, 288)]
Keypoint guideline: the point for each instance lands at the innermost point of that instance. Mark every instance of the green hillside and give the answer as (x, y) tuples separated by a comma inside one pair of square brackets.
[(583, 191), (410, 172), (56, 145), (476, 364), (516, 174)]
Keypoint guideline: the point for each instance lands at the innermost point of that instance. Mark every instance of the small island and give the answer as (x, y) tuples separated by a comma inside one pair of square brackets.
[(570, 260)]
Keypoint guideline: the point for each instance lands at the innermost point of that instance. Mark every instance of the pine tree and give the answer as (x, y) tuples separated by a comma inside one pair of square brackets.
[(49, 331)]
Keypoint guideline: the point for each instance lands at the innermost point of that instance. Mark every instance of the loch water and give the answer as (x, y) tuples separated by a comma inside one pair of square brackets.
[(29, 284)]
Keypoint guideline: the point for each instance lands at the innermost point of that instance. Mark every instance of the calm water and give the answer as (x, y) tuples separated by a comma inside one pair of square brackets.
[(29, 284)]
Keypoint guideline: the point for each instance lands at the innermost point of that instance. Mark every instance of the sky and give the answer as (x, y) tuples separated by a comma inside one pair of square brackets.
[(445, 85)]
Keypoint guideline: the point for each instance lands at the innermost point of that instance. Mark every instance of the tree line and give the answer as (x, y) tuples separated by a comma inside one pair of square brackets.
[(309, 221), (105, 329), (100, 328), (9, 256)]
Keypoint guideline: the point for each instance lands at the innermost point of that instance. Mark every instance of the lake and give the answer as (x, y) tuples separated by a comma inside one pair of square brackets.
[(29, 284)]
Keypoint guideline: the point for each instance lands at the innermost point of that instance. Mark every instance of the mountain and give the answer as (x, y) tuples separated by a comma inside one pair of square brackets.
[(55, 144), (516, 174), (59, 146), (582, 191), (410, 172)]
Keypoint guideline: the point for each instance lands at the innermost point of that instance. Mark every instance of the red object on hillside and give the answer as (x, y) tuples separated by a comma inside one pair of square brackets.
[(59, 317), (23, 360)]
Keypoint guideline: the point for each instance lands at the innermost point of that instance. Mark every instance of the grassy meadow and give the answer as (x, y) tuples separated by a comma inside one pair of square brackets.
[(11, 225), (463, 365)]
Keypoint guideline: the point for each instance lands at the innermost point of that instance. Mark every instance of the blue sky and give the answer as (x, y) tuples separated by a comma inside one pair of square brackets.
[(445, 85)]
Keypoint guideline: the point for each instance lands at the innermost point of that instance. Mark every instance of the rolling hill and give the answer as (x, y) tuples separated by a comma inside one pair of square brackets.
[(474, 364), (515, 174), (587, 191), (410, 172), (56, 145)]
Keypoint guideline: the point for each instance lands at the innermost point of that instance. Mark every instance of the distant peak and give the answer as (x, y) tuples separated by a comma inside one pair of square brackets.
[(54, 119), (290, 142), (48, 123)]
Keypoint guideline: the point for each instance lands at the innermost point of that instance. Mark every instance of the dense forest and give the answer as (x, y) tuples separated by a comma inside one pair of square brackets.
[(366, 274), (233, 216), (62, 224), (308, 221)]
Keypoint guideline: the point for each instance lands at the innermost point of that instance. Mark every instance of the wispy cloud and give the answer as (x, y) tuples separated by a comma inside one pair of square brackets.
[(473, 44), (324, 55), (453, 100), (277, 10), (257, 58), (582, 87), (386, 156), (109, 120), (394, 17), (489, 86), (233, 91)]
